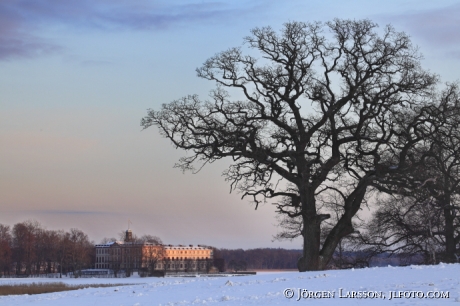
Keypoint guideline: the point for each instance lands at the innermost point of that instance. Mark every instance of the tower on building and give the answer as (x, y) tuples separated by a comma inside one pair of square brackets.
[(128, 235)]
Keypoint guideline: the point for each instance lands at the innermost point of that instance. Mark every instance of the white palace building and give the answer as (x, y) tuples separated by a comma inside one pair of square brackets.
[(129, 255)]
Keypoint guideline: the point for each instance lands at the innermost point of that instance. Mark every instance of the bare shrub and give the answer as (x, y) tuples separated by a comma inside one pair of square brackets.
[(39, 288)]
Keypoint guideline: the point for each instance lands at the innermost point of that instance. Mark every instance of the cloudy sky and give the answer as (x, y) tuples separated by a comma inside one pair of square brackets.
[(76, 77)]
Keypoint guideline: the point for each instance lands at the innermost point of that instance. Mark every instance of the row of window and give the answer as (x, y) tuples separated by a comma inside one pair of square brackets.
[(160, 266), (102, 266), (115, 251), (187, 252), (115, 259), (184, 258), (180, 266), (102, 251)]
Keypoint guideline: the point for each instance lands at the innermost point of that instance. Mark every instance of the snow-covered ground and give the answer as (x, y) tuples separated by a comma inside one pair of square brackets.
[(382, 286)]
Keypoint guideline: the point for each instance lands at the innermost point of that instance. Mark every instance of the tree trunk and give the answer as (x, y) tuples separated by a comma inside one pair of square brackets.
[(343, 228), (314, 259), (310, 260)]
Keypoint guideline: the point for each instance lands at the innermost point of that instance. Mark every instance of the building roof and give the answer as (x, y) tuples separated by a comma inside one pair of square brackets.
[(184, 247), (169, 246)]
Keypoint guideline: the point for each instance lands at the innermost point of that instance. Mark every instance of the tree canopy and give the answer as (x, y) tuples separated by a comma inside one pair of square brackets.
[(326, 107)]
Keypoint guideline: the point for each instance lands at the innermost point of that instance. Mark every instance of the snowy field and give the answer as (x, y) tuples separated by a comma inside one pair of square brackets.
[(415, 285)]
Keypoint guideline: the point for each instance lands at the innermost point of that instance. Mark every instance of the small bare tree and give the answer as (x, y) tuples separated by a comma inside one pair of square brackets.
[(79, 250), (152, 256), (24, 246)]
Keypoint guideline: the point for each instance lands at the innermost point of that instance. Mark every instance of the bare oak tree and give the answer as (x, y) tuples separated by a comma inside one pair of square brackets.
[(322, 102)]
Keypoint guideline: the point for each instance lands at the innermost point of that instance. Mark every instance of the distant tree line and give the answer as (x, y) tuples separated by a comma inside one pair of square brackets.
[(344, 258), (262, 258), (29, 249), (399, 233)]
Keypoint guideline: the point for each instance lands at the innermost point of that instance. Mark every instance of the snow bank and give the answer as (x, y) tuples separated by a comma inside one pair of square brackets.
[(414, 285)]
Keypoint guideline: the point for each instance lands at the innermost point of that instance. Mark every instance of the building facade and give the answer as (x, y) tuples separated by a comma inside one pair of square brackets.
[(129, 255)]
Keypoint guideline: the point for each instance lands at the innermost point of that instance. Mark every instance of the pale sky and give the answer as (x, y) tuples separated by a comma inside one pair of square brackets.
[(76, 77)]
